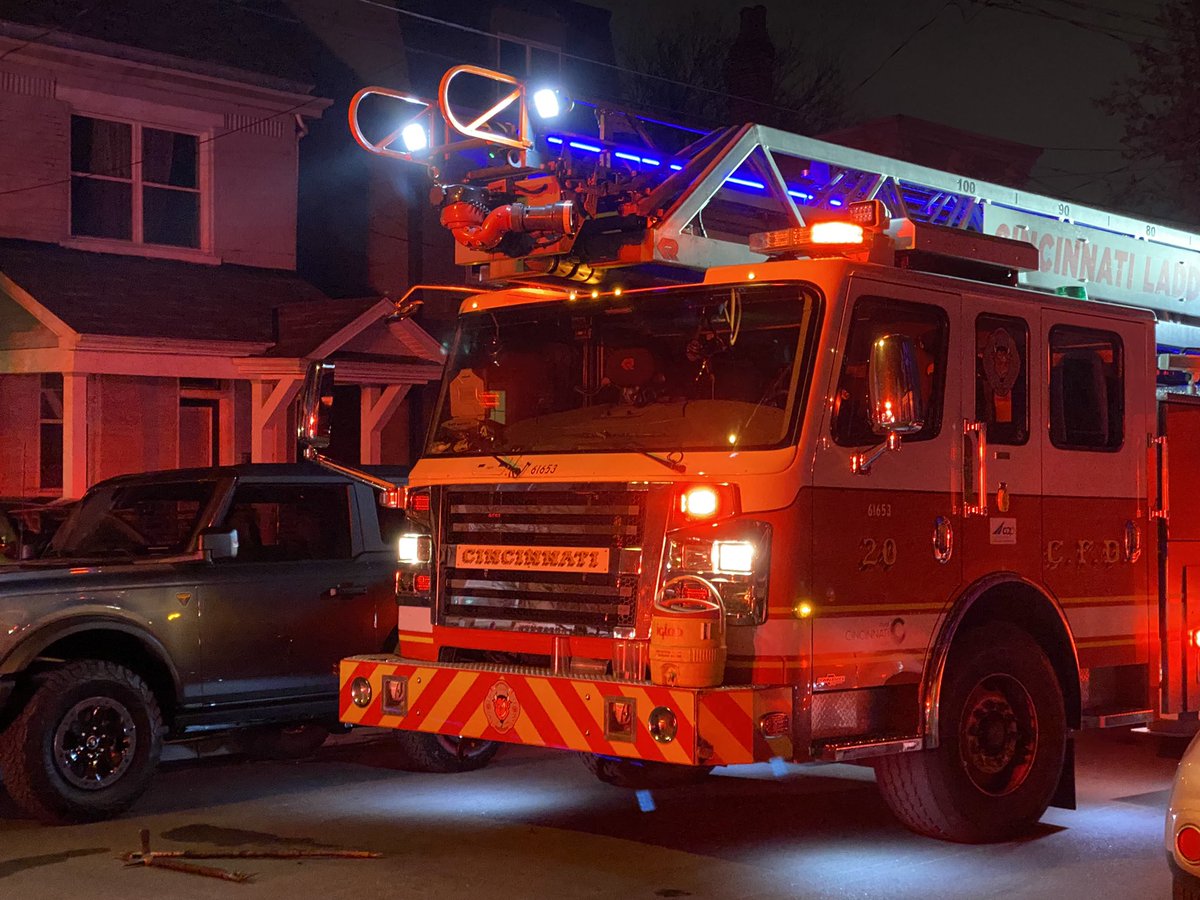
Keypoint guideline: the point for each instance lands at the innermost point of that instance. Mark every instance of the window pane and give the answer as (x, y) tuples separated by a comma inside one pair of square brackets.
[(1087, 389), (101, 208), (100, 147), (279, 522), (169, 158), (52, 396), (1002, 378), (874, 317), (170, 217), (50, 471)]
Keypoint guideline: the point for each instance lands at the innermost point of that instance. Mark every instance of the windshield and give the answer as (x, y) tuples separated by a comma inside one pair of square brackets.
[(690, 369), (134, 520)]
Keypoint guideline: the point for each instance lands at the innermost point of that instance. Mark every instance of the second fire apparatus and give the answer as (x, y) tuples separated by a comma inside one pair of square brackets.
[(774, 449)]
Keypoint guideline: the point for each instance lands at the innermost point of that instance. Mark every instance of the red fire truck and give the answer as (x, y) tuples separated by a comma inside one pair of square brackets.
[(765, 449)]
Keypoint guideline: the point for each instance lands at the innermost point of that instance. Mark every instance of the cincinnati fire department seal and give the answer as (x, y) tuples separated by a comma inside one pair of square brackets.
[(501, 706)]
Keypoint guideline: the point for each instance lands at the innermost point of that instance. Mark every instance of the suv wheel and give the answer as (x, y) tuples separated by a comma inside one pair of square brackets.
[(423, 752), (84, 746)]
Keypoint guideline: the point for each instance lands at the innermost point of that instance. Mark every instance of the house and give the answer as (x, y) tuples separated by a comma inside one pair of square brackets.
[(151, 314)]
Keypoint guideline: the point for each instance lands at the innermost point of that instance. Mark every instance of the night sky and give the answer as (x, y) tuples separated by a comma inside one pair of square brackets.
[(1020, 73)]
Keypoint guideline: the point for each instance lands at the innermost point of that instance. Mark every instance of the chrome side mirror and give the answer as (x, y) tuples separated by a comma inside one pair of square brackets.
[(896, 406), (316, 406), (216, 543), (894, 386)]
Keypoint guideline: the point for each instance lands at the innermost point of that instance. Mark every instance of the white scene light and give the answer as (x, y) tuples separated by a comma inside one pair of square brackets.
[(414, 137), (545, 101)]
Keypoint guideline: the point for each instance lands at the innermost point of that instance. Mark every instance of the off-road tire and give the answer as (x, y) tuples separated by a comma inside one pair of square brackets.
[(283, 741), (34, 749), (1001, 721), (419, 751), (638, 774)]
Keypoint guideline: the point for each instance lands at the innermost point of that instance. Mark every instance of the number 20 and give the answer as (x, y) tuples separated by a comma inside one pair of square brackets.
[(878, 553)]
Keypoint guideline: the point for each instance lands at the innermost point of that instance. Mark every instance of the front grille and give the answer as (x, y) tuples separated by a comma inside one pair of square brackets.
[(496, 526)]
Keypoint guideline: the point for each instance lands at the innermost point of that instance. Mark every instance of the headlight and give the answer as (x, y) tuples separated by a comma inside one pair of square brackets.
[(733, 557), (415, 549)]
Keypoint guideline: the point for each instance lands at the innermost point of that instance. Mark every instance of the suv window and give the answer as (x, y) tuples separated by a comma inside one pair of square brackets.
[(874, 317), (1087, 389), (1002, 378), (288, 522), (135, 520)]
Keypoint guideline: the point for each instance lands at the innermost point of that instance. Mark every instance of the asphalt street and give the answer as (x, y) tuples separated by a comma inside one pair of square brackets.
[(536, 824)]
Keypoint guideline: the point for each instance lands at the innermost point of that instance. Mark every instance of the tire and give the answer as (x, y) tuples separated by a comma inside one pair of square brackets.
[(84, 746), (423, 752), (638, 774), (283, 741), (1002, 741)]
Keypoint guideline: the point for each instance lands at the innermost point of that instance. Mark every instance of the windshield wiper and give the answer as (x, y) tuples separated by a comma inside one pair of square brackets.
[(673, 460), (512, 467)]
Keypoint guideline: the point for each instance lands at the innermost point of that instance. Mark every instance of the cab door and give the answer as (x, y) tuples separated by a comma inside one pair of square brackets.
[(1095, 520), (880, 574), (1001, 481)]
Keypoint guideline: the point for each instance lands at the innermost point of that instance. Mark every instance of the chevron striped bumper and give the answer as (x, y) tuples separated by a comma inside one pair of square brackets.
[(713, 726)]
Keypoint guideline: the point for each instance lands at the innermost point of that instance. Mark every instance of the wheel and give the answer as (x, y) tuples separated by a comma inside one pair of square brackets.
[(84, 746), (422, 752), (1002, 740), (640, 774), (283, 741)]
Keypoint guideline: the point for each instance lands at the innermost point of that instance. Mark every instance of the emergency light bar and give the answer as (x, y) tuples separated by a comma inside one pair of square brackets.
[(848, 231)]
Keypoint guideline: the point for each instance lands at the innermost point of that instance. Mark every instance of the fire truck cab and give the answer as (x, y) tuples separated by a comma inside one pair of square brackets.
[(862, 494)]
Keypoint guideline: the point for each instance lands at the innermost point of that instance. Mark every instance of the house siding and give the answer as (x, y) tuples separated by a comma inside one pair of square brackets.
[(254, 196), (35, 150), (19, 396), (134, 425)]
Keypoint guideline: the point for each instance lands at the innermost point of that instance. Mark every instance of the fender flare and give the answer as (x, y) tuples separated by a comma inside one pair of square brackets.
[(35, 643), (935, 668)]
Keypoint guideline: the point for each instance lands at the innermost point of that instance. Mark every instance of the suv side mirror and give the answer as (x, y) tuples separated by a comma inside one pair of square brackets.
[(894, 386), (316, 406), (219, 543)]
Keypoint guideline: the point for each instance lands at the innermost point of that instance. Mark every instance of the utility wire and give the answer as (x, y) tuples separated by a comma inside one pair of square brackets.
[(904, 43)]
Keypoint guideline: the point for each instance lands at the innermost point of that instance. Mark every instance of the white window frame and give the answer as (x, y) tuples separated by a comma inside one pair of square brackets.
[(136, 245)]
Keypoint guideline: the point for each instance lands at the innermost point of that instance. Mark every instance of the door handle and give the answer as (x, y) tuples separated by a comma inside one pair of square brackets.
[(974, 469), (347, 590)]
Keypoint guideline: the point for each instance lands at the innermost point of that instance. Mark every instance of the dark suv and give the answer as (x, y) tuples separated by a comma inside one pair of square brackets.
[(178, 603)]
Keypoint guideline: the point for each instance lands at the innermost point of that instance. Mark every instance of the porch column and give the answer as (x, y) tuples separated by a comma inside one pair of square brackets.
[(269, 402), (378, 405), (75, 433)]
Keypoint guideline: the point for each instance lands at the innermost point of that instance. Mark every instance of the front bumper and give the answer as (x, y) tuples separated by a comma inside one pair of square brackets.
[(716, 726)]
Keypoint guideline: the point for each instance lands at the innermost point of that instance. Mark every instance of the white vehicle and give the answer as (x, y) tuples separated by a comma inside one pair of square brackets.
[(1182, 833)]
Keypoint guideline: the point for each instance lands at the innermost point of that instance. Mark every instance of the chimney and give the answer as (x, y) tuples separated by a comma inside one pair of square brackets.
[(750, 68)]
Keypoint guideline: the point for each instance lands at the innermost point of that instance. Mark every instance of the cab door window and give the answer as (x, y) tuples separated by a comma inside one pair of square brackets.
[(874, 317), (1087, 389), (1002, 378)]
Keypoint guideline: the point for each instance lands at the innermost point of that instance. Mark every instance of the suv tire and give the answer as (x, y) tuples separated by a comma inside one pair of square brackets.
[(85, 744), (423, 752)]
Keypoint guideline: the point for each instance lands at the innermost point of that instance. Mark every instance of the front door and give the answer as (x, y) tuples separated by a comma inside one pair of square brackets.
[(276, 619), (880, 579)]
